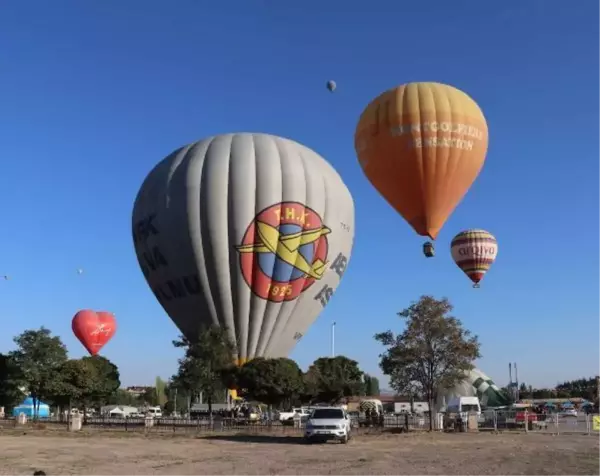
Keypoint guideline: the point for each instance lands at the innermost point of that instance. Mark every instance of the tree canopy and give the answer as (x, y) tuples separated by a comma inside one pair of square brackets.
[(329, 379), (205, 362), (371, 385), (433, 352), (39, 357), (271, 381)]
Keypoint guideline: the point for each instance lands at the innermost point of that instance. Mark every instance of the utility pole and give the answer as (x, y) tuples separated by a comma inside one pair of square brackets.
[(333, 340)]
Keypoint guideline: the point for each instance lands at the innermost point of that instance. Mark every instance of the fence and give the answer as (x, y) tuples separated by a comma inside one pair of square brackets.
[(400, 423), (554, 423), (489, 420)]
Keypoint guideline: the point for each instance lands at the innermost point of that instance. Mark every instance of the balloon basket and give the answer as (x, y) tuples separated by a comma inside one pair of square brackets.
[(428, 249), (476, 286)]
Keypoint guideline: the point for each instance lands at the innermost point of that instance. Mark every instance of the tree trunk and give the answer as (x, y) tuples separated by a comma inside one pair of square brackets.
[(34, 401), (210, 413), (431, 413)]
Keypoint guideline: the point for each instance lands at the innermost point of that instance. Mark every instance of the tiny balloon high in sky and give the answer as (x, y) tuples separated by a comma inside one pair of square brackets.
[(94, 329)]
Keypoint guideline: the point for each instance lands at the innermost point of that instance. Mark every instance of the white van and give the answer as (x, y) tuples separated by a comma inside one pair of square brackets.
[(464, 405), (155, 412)]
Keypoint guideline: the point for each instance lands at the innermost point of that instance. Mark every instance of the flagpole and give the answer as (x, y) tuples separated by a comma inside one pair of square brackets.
[(333, 340)]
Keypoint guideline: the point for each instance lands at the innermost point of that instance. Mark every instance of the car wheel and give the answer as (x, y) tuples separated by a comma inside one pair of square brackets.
[(308, 440), (345, 439)]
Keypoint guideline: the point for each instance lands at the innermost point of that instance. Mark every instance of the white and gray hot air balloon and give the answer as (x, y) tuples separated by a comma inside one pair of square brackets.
[(251, 232)]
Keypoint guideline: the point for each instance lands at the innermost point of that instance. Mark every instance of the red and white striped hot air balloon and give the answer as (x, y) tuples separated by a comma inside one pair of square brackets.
[(474, 251)]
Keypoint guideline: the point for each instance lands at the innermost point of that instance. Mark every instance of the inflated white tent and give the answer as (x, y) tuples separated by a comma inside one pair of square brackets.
[(475, 384)]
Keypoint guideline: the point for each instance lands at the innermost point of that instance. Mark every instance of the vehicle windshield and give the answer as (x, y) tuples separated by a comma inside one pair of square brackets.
[(327, 414), (469, 408)]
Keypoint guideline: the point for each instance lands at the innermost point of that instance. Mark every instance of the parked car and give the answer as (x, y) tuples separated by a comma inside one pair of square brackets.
[(328, 423)]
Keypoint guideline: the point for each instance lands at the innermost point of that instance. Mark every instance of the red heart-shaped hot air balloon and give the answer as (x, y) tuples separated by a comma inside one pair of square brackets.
[(94, 329)]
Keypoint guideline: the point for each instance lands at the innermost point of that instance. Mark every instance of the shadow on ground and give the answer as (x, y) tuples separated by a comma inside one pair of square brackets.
[(270, 439)]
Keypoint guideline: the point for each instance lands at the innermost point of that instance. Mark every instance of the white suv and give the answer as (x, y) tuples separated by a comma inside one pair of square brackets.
[(327, 423)]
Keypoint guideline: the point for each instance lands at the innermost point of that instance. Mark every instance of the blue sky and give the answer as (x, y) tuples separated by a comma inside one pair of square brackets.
[(93, 94)]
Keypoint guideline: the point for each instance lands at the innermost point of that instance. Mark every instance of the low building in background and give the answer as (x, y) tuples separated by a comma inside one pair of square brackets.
[(118, 411)]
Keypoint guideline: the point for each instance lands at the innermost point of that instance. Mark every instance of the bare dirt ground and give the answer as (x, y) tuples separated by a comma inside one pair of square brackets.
[(119, 454)]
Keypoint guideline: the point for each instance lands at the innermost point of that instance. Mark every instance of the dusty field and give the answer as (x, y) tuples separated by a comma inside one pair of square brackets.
[(117, 454)]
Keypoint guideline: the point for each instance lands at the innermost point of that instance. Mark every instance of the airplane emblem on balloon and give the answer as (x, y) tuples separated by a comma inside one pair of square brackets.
[(287, 247), (284, 251)]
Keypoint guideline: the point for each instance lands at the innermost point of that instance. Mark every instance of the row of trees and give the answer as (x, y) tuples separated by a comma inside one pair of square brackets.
[(41, 368), (433, 352), (206, 367), (586, 388)]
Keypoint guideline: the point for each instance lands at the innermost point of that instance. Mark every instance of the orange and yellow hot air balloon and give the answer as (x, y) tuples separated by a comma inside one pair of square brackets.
[(422, 146)]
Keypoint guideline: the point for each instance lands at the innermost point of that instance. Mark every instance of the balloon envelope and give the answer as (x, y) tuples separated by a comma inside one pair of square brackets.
[(331, 85), (474, 251), (422, 145), (251, 232), (94, 329)]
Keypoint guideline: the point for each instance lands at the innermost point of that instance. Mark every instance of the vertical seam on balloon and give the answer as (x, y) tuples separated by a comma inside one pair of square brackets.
[(422, 154), (208, 257), (425, 164), (199, 322), (268, 307), (461, 152), (232, 252), (182, 159), (294, 303), (441, 190), (253, 298)]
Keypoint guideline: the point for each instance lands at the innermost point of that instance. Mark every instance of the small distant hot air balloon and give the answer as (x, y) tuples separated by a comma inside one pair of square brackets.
[(79, 271), (94, 329), (331, 86), (474, 251), (422, 146)]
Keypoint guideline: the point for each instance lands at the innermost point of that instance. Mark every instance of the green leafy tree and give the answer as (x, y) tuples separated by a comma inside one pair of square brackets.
[(10, 382), (178, 399), (331, 379), (160, 389), (107, 379), (271, 381), (371, 385), (76, 383), (433, 352), (39, 357), (524, 391), (123, 397), (205, 362), (90, 381), (543, 393)]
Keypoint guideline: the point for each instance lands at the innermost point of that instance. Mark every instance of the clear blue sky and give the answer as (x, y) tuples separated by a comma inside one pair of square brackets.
[(93, 94)]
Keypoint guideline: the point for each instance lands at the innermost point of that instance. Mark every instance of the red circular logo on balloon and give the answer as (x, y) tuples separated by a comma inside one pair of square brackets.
[(284, 251)]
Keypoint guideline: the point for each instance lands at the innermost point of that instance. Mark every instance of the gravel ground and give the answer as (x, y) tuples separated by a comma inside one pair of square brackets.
[(460, 453)]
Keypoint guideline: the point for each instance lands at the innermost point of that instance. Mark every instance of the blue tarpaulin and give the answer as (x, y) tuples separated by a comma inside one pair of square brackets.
[(27, 408)]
